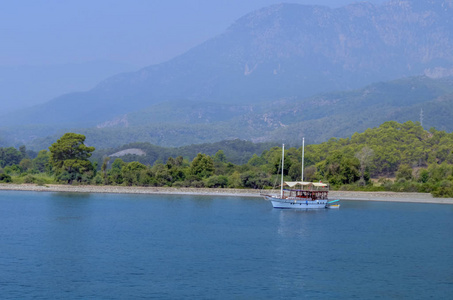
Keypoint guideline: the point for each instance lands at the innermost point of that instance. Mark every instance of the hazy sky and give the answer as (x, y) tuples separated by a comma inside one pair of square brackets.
[(137, 32)]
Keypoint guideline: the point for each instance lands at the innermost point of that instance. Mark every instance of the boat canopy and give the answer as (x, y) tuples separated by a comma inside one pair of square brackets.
[(304, 183)]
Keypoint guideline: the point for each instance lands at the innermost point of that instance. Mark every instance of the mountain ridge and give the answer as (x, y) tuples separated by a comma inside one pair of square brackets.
[(317, 118), (281, 53)]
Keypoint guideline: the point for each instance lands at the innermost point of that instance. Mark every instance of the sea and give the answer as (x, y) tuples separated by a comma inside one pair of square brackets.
[(126, 246)]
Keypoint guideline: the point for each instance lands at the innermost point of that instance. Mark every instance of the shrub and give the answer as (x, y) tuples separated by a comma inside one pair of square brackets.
[(29, 179), (40, 181), (220, 181), (179, 184), (197, 184), (97, 180), (444, 189), (5, 178)]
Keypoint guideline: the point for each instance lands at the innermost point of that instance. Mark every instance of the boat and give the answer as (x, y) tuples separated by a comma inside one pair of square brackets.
[(301, 194)]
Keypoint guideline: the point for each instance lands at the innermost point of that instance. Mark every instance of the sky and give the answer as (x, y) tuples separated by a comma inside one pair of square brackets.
[(133, 32)]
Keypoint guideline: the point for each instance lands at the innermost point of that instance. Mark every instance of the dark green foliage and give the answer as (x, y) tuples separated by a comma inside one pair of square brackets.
[(29, 179), (220, 157), (235, 151), (217, 181), (69, 147), (398, 157), (444, 189), (26, 164), (115, 175), (202, 166), (404, 172), (5, 178), (423, 176), (256, 161), (75, 170), (253, 180), (175, 167), (132, 173), (13, 170), (104, 169), (393, 149), (69, 159), (339, 169), (11, 156)]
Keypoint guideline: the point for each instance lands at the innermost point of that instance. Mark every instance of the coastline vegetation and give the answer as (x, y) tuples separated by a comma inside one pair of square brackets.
[(391, 157)]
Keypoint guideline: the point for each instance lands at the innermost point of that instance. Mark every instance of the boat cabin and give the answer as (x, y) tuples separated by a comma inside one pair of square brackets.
[(305, 190)]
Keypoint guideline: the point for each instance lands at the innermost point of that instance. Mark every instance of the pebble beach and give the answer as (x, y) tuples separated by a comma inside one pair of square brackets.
[(342, 195)]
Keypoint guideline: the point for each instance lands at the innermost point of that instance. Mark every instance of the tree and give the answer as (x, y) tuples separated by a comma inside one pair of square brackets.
[(202, 166), (23, 151), (423, 176), (340, 169), (364, 156), (175, 170), (10, 156), (115, 175), (131, 172), (220, 157), (26, 164), (215, 181), (256, 160), (404, 171), (41, 161), (69, 158), (104, 168), (5, 178)]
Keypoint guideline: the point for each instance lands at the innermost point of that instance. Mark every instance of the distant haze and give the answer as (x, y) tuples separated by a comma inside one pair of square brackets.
[(137, 32), (267, 76), (28, 85), (54, 47)]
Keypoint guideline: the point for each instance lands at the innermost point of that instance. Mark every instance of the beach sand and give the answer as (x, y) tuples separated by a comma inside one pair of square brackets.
[(363, 196)]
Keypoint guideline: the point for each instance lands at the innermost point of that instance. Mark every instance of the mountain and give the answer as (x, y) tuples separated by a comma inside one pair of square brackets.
[(279, 56), (317, 118), (281, 51)]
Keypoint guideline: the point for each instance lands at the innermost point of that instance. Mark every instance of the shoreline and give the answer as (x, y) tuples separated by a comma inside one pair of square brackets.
[(342, 195)]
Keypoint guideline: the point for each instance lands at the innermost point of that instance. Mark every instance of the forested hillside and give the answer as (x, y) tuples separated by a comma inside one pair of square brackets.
[(235, 151), (258, 80), (317, 118), (393, 156)]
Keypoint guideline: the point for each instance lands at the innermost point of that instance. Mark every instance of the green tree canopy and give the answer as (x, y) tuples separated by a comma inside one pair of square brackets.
[(10, 156), (202, 166), (131, 172), (69, 158), (41, 161)]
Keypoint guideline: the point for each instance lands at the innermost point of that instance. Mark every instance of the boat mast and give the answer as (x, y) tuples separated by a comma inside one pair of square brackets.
[(303, 147), (283, 159)]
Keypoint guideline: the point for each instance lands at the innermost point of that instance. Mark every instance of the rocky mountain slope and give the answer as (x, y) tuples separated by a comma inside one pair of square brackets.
[(280, 51), (317, 118), (278, 54)]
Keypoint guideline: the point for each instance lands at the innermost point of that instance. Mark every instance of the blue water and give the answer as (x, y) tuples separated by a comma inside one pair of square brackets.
[(98, 246)]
